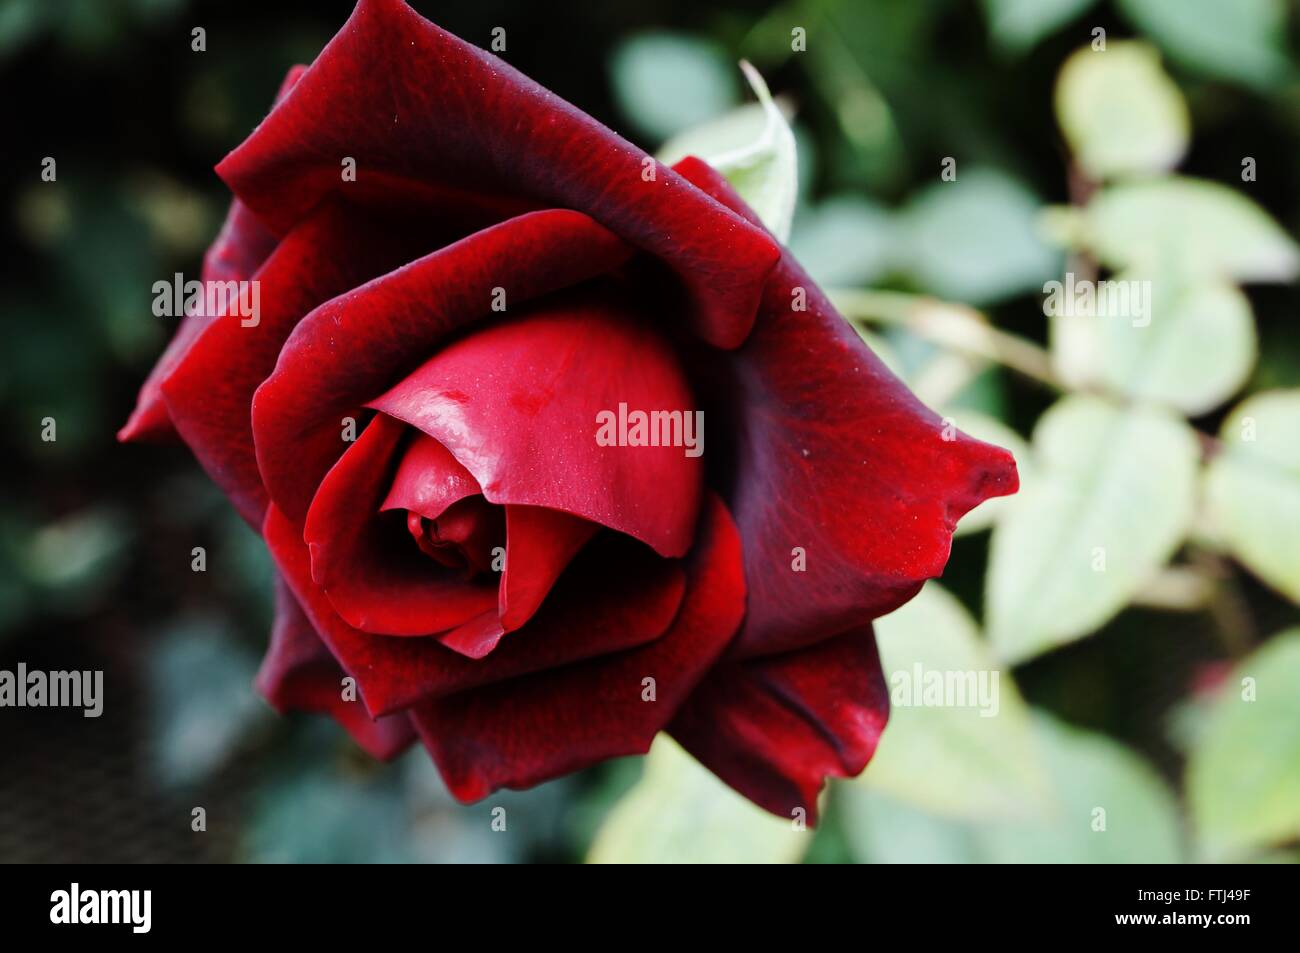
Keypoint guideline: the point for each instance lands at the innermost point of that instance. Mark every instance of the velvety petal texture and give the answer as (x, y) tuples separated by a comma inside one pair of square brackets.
[(413, 104), (775, 728), (838, 461), (468, 419), (299, 673), (516, 734)]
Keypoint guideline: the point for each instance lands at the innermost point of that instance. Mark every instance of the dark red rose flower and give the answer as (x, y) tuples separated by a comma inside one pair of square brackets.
[(526, 599)]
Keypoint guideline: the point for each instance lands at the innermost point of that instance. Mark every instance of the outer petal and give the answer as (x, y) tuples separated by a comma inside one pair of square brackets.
[(617, 594), (444, 113), (520, 733), (239, 250), (518, 403), (357, 345), (837, 457), (774, 728), (380, 582), (298, 672), (210, 392)]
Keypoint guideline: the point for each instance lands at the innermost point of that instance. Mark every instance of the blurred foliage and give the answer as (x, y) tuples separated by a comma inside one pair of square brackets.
[(1167, 157)]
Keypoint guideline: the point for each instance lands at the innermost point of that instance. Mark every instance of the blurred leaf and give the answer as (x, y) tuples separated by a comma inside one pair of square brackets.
[(203, 700), (1120, 113), (1242, 40), (1192, 348), (1252, 489), (1110, 502), (844, 241), (1092, 774), (679, 812), (1089, 774), (966, 761), (318, 816), (882, 830), (1206, 227), (1016, 25), (667, 82), (991, 430), (754, 148), (975, 240), (1243, 778), (74, 560)]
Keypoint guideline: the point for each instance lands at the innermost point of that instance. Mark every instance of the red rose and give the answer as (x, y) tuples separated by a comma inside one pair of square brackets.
[(641, 588)]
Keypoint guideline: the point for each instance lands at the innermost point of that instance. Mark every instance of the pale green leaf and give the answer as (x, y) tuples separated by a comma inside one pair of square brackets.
[(1252, 489), (975, 239), (1155, 336), (1110, 502), (754, 148), (882, 830), (843, 242), (667, 82), (1120, 113), (1243, 778), (1206, 227), (1232, 39), (1106, 806), (1112, 809), (679, 812), (959, 750), (1016, 25)]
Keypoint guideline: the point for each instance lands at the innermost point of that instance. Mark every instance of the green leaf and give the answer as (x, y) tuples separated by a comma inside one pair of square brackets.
[(991, 430), (975, 239), (679, 812), (843, 242), (203, 700), (1204, 226), (1120, 113), (882, 830), (1185, 342), (1017, 25), (959, 755), (1111, 501), (1107, 806), (667, 82), (1113, 807), (1252, 489), (1240, 40), (754, 148), (1243, 778)]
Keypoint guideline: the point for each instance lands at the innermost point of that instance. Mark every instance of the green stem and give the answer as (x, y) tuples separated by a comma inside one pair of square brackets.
[(953, 325)]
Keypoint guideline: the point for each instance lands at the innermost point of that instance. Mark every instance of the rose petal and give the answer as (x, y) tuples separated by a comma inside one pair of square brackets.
[(299, 673), (428, 479), (210, 392), (446, 113), (356, 346), (517, 403), (528, 730), (376, 580), (239, 250), (836, 457), (617, 594), (774, 728)]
